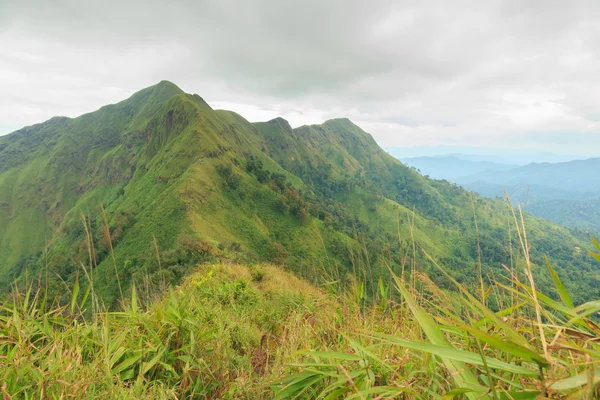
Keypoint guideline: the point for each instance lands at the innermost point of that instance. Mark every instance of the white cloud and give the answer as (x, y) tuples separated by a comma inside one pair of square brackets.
[(497, 73)]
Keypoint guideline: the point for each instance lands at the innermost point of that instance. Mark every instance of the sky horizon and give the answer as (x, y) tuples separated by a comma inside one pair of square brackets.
[(493, 75)]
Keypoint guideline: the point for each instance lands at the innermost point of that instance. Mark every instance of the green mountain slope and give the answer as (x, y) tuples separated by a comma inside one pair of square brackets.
[(576, 213), (181, 183)]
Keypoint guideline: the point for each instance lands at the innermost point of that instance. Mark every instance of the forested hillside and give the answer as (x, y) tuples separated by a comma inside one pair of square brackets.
[(144, 190), (565, 193)]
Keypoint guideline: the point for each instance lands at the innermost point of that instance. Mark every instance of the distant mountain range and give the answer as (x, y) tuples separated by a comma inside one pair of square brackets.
[(453, 168), (566, 193), (495, 155)]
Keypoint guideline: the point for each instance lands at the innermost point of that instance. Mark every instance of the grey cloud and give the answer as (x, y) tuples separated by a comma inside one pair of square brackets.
[(412, 72)]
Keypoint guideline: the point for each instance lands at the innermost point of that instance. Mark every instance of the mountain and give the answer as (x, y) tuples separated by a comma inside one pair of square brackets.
[(452, 168), (574, 176), (500, 155), (141, 191), (577, 213), (565, 193)]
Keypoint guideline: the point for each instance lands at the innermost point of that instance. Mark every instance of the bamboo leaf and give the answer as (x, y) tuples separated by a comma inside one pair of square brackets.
[(596, 244), (457, 354), (148, 365), (297, 385), (560, 288), (382, 391), (508, 330), (574, 382), (75, 293), (506, 346), (521, 395), (460, 373), (335, 355), (128, 362), (456, 392), (501, 313), (85, 296)]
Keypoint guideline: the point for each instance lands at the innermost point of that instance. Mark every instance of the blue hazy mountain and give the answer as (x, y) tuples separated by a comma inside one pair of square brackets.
[(453, 168), (579, 176), (566, 193), (495, 155)]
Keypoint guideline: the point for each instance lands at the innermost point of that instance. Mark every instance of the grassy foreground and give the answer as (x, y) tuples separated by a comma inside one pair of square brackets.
[(233, 331)]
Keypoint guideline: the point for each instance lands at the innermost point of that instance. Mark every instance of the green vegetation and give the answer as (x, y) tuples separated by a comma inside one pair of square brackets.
[(163, 173), (231, 331), (226, 331), (158, 248), (583, 214)]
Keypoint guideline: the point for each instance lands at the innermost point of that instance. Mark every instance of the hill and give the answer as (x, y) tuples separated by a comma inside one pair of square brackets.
[(577, 175), (453, 168), (143, 190), (563, 193), (257, 332)]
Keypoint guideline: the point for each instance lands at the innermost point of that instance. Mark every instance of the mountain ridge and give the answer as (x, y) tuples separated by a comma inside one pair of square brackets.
[(180, 183)]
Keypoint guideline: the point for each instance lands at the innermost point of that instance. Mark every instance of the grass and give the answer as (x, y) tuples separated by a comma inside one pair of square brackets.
[(454, 346), (226, 330), (257, 332)]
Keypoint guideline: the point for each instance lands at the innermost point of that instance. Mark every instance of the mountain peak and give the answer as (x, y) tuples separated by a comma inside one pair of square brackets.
[(282, 123), (148, 100), (167, 85), (164, 90), (340, 122)]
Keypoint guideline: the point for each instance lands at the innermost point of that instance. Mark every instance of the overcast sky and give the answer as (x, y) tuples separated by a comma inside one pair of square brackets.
[(479, 73)]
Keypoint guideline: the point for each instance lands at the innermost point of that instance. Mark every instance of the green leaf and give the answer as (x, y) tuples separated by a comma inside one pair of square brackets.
[(501, 313), (506, 346), (574, 382), (297, 384), (75, 293), (457, 354), (508, 330), (148, 365), (461, 375), (596, 256), (521, 395), (85, 296), (596, 244), (382, 391), (456, 392), (128, 362), (335, 355), (128, 374), (560, 288)]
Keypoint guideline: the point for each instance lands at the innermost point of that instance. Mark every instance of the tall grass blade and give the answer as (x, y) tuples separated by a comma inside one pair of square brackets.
[(461, 375), (75, 293), (460, 355), (560, 288)]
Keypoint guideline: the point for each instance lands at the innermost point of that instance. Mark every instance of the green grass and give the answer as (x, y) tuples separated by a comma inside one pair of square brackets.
[(257, 332)]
